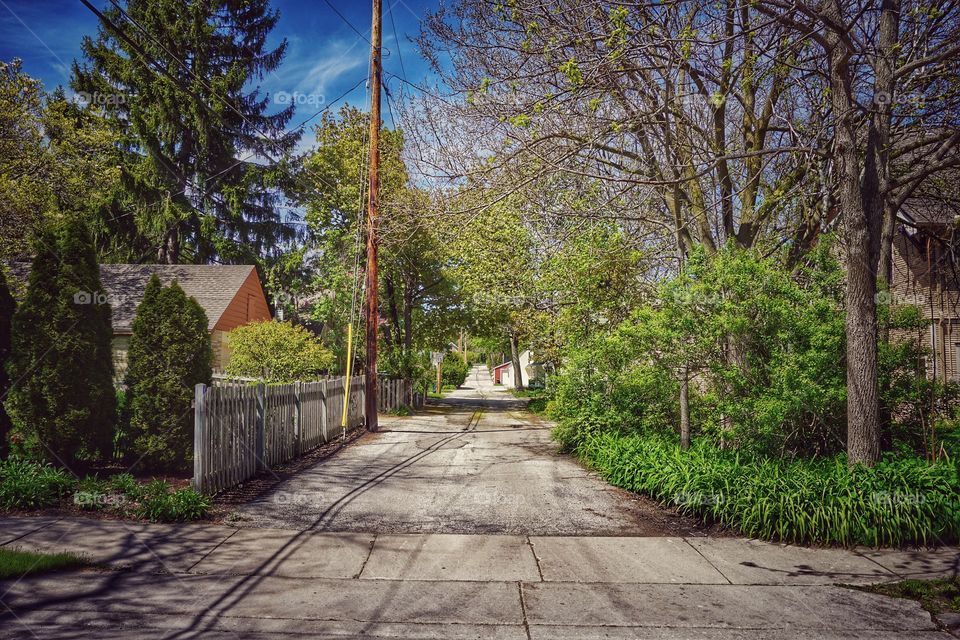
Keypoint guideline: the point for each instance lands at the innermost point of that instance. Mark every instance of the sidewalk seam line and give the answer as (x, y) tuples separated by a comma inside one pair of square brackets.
[(523, 609), (707, 560), (31, 532), (535, 558), (893, 574)]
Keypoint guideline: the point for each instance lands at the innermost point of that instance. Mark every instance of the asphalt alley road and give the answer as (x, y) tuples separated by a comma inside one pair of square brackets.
[(478, 463)]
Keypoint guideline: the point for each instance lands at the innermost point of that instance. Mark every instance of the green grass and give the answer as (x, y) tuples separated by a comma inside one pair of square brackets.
[(936, 596), (538, 399), (15, 563), (402, 411), (899, 502)]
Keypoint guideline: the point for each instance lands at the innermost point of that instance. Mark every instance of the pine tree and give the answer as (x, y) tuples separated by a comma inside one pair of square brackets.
[(169, 355), (204, 201), (64, 400), (7, 307)]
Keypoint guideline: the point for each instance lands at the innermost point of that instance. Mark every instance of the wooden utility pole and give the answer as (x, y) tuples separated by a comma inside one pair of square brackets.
[(373, 311)]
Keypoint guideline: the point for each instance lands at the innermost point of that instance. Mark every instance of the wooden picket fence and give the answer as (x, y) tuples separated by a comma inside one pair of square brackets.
[(243, 428)]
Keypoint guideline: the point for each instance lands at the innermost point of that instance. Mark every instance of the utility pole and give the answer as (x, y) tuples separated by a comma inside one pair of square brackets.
[(373, 311)]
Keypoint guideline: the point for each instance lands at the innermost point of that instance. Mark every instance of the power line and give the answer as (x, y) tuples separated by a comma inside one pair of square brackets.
[(348, 23), (396, 39)]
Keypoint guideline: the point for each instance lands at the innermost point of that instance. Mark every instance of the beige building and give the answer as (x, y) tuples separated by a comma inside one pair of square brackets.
[(926, 273)]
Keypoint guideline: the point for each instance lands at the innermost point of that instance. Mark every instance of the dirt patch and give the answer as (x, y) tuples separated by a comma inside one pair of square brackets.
[(653, 519)]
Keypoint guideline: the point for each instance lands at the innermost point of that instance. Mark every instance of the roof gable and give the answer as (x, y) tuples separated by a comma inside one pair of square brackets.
[(212, 286)]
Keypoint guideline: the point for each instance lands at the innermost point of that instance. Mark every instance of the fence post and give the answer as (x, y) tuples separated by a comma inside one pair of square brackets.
[(261, 425), (297, 418), (199, 409), (323, 411)]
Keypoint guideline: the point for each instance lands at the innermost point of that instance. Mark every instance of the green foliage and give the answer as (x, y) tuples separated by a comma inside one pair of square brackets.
[(538, 399), (158, 503), (169, 355), (764, 347), (27, 485), (901, 501), (277, 352), (454, 370), (61, 351), (7, 308), (31, 485)]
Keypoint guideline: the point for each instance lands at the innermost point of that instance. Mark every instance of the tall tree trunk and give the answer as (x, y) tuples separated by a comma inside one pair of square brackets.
[(392, 337), (862, 235), (515, 358), (408, 317), (685, 407), (169, 251), (879, 199)]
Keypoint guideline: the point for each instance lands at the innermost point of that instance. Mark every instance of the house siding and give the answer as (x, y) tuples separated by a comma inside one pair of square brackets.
[(918, 281), (221, 350), (119, 347), (248, 305)]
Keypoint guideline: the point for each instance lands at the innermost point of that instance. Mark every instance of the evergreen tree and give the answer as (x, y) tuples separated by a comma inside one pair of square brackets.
[(169, 354), (7, 307), (64, 401), (197, 196)]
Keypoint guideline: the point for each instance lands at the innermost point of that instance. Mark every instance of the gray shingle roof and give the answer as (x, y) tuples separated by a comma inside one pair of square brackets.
[(213, 286)]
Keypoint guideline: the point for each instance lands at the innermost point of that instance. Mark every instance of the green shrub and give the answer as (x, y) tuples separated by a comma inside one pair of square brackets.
[(169, 355), (901, 501), (158, 503), (277, 352), (31, 485), (93, 494), (7, 307), (61, 352), (454, 370), (126, 484)]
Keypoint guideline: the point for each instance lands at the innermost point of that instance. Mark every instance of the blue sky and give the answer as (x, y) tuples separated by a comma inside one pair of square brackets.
[(325, 57)]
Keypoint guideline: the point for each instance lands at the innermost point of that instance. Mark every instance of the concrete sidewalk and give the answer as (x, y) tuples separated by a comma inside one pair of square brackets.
[(196, 580)]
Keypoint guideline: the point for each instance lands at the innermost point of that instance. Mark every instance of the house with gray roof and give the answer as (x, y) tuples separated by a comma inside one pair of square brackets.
[(230, 295)]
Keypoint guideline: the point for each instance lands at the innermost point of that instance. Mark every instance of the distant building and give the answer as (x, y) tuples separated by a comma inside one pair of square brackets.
[(530, 371), (498, 371), (926, 273), (230, 295)]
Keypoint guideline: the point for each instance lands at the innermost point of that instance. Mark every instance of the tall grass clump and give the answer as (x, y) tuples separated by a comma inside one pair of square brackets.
[(901, 501)]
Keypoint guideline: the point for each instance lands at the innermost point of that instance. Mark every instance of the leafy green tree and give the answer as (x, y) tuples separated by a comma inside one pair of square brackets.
[(169, 355), (54, 156), (201, 194), (418, 301), (276, 352), (7, 308), (332, 186), (63, 400), (496, 268)]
